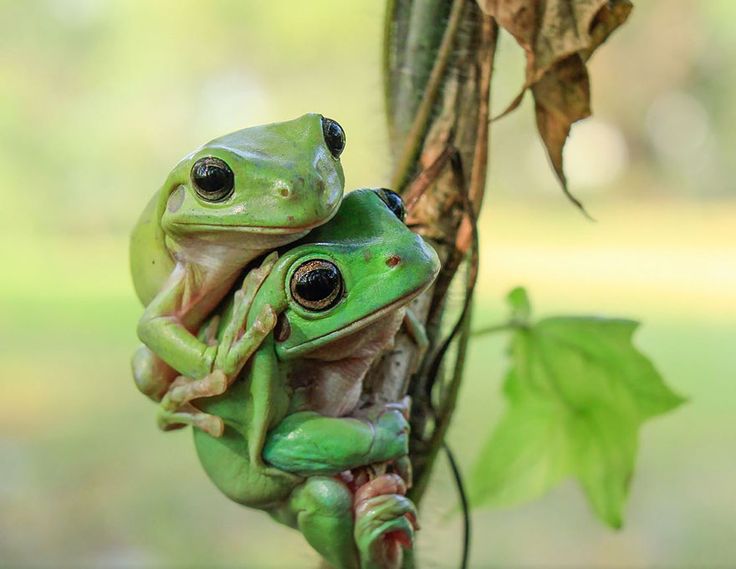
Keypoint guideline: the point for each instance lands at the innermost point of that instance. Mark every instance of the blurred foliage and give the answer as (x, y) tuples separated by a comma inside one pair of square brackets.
[(99, 99), (578, 393)]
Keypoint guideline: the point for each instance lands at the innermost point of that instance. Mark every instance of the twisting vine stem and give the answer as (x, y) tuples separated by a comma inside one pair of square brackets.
[(438, 61)]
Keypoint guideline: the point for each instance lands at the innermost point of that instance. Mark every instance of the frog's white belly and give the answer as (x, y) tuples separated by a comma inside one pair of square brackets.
[(330, 380)]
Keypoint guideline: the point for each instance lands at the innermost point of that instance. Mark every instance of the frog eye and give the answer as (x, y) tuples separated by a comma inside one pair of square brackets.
[(213, 179), (317, 285), (334, 136), (393, 201)]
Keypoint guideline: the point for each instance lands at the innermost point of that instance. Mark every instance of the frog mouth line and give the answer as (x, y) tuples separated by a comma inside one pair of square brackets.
[(360, 324), (272, 230)]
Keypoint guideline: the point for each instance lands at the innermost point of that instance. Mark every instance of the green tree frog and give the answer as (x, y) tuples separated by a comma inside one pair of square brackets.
[(341, 295), (222, 206)]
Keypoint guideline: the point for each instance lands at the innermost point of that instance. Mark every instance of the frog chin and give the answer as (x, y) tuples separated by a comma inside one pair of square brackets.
[(223, 251), (335, 335)]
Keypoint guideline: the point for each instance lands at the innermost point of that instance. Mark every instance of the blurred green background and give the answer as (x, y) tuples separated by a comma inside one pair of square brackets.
[(99, 99)]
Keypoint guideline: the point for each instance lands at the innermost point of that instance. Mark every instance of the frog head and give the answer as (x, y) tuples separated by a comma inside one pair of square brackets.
[(351, 272), (271, 180)]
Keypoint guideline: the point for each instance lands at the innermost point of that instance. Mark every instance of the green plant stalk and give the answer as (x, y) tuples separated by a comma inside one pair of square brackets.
[(445, 412), (406, 163), (438, 57), (413, 32)]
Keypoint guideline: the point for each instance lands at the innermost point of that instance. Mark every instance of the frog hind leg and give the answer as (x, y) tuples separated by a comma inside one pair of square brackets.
[(322, 510), (158, 381), (152, 376), (365, 531)]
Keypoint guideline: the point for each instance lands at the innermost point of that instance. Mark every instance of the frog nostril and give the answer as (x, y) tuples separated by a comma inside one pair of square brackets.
[(284, 191), (393, 260)]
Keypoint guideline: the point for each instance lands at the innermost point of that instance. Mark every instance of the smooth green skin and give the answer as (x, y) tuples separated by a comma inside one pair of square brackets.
[(309, 449), (186, 253)]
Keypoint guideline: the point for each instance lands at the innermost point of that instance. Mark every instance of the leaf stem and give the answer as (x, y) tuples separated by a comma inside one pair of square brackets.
[(504, 327)]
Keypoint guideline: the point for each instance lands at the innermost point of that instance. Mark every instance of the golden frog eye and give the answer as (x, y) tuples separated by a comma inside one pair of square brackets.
[(213, 179), (317, 285)]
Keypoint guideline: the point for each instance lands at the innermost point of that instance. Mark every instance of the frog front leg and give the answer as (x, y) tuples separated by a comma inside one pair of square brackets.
[(308, 444), (232, 351), (162, 330), (154, 377)]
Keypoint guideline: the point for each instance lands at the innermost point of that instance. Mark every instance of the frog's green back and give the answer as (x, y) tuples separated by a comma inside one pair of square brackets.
[(150, 261)]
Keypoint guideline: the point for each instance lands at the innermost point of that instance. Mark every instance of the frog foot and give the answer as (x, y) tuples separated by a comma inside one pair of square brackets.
[(403, 406), (236, 349), (417, 332), (176, 411), (403, 468), (374, 411), (385, 522), (362, 475), (238, 343)]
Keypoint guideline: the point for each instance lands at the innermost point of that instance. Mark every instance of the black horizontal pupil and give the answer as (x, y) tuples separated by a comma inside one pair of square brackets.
[(318, 284), (212, 176)]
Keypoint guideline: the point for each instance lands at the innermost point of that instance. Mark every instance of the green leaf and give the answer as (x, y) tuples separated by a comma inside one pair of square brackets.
[(578, 392), (521, 306), (525, 456)]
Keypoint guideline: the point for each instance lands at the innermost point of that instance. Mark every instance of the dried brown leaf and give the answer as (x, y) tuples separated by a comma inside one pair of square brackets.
[(561, 97), (608, 19), (558, 37)]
